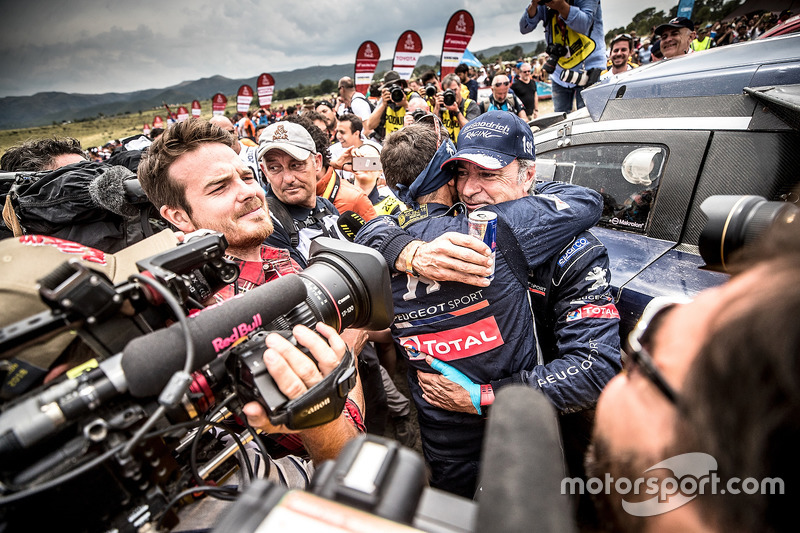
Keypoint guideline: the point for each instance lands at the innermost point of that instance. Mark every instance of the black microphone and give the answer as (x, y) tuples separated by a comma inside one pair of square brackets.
[(522, 466), (118, 190), (148, 362), (349, 223)]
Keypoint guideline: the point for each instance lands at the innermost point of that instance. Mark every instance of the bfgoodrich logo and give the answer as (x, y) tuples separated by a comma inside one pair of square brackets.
[(692, 474)]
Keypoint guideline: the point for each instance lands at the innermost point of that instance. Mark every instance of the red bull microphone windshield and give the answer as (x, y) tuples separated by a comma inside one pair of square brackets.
[(483, 225)]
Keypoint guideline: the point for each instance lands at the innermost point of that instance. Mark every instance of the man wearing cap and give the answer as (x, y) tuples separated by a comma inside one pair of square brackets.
[(703, 41), (621, 50), (389, 112), (327, 110), (465, 341), (676, 37)]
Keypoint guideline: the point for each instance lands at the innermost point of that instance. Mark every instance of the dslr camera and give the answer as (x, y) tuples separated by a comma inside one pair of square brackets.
[(418, 114), (449, 97), (431, 90), (397, 93), (554, 53)]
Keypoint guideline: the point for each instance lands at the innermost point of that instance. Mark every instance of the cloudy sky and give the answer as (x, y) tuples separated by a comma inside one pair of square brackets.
[(98, 46)]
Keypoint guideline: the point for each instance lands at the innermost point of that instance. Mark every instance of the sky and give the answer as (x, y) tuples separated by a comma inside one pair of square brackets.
[(99, 46)]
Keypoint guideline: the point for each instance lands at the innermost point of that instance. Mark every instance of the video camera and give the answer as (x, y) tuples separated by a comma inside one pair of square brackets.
[(93, 449)]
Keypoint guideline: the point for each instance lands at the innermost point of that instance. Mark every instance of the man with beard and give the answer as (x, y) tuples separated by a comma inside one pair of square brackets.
[(621, 50), (328, 112), (503, 100), (713, 382), (196, 179)]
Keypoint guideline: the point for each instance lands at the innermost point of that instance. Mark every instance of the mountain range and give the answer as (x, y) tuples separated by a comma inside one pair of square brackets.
[(46, 108)]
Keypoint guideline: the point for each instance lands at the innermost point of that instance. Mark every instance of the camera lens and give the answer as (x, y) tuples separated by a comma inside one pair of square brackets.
[(430, 90), (449, 97), (418, 114), (397, 94)]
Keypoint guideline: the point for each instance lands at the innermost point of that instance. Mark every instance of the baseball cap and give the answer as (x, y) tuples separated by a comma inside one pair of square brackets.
[(493, 140), (392, 77), (677, 22), (26, 259), (289, 138)]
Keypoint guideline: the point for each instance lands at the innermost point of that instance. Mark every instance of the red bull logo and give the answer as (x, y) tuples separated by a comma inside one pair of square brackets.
[(242, 330)]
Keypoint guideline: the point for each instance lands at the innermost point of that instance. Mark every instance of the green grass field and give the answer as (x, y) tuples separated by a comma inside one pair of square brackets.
[(99, 131)]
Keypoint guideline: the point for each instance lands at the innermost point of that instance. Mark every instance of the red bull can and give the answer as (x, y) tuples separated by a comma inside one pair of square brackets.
[(483, 225)]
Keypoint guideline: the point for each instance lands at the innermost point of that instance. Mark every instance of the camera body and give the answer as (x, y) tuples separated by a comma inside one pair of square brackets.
[(449, 97), (554, 52), (397, 93), (418, 114)]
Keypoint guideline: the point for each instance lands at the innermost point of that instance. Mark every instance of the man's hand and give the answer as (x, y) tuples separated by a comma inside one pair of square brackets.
[(450, 257), (295, 373), (344, 158), (386, 96), (450, 390)]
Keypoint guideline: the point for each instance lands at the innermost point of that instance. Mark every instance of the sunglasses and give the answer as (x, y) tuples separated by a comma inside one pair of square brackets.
[(640, 340), (501, 83)]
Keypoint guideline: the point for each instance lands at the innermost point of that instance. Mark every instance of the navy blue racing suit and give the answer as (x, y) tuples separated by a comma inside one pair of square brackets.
[(488, 333)]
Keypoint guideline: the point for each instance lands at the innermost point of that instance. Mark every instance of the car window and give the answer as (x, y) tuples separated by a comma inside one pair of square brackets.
[(627, 175)]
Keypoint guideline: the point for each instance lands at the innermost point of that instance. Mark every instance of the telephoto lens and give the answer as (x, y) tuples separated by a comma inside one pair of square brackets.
[(397, 94), (430, 90), (449, 97)]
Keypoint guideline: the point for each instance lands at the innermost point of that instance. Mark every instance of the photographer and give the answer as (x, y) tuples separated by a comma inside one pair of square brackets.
[(392, 107), (575, 45), (454, 110)]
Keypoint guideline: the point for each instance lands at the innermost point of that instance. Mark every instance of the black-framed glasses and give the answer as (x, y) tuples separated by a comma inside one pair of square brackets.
[(501, 83), (640, 339)]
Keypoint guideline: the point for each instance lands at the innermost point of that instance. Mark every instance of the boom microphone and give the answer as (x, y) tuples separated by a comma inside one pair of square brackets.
[(149, 361), (522, 466), (117, 190), (349, 223)]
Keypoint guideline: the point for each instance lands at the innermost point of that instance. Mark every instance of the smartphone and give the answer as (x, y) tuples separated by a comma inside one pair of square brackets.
[(367, 163)]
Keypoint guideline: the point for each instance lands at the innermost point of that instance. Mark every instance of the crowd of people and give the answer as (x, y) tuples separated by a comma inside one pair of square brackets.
[(410, 162)]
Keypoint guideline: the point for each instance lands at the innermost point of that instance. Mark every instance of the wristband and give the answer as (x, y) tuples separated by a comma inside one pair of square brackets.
[(487, 395)]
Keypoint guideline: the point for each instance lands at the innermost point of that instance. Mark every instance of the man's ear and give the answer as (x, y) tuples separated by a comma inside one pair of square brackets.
[(178, 218), (317, 162), (530, 176)]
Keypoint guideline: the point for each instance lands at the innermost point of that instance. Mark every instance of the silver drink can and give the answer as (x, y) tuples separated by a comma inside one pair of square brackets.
[(483, 225)]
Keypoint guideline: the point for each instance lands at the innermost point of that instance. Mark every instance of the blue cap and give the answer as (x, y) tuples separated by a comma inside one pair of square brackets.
[(493, 140)]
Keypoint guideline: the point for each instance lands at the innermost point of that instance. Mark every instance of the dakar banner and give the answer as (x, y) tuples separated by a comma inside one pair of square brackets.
[(243, 98), (196, 108), (406, 54), (456, 38), (367, 59), (218, 103), (183, 114), (158, 122), (265, 86)]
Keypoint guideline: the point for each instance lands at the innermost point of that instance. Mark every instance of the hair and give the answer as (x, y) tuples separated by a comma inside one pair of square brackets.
[(428, 77), (313, 115), (355, 122), (321, 139), (462, 68), (450, 78), (38, 154), (742, 394), (180, 139), (524, 165), (347, 82), (406, 153)]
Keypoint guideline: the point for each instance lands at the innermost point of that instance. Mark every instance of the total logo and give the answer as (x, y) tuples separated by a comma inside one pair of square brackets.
[(452, 344)]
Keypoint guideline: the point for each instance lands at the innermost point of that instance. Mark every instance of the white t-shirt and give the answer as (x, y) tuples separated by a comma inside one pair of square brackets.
[(359, 105)]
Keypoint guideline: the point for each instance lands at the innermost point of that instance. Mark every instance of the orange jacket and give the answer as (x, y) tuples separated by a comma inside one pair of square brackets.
[(345, 197)]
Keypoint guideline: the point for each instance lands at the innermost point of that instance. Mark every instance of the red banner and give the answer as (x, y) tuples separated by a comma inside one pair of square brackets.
[(456, 38), (367, 59), (218, 103), (265, 87), (406, 54), (183, 114), (196, 108), (243, 98), (158, 122)]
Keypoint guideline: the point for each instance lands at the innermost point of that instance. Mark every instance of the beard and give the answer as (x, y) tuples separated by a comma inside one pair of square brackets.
[(600, 460), (241, 238)]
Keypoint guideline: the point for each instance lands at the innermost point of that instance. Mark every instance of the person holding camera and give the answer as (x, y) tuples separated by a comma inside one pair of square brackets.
[(502, 99), (391, 108), (454, 109), (575, 46)]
